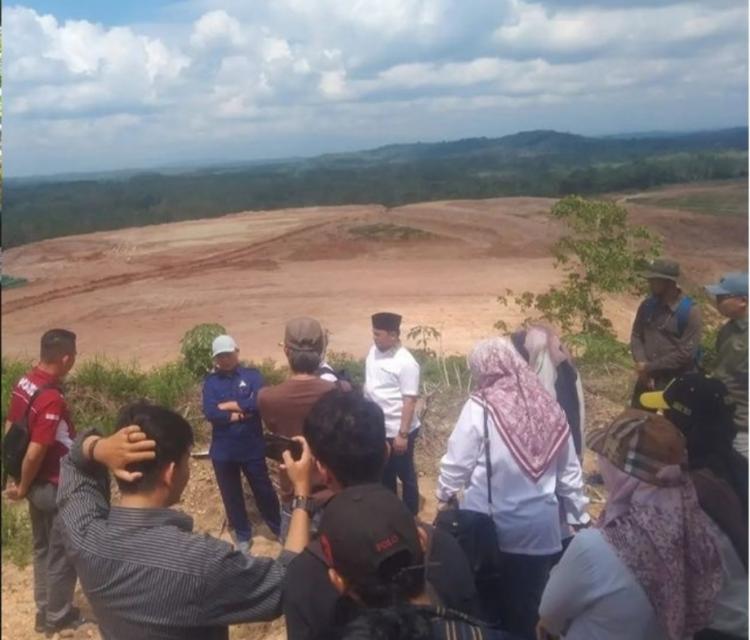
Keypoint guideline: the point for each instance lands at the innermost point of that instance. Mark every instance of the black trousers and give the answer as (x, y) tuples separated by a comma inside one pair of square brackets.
[(402, 467), (520, 592)]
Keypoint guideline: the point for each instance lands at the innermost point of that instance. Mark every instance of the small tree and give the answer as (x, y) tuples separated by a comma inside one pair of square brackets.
[(600, 253), (423, 335), (195, 348)]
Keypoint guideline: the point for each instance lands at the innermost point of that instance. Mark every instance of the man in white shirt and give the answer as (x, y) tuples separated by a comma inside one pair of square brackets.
[(392, 382)]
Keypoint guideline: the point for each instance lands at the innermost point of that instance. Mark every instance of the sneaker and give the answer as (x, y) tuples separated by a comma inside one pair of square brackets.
[(40, 622), (71, 621)]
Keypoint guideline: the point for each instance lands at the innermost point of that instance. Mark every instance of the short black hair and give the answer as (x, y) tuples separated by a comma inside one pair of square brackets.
[(303, 361), (172, 433), (57, 343), (346, 433)]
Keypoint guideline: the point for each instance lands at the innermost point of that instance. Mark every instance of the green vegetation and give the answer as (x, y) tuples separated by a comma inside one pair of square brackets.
[(16, 533), (536, 163), (11, 282), (385, 231), (195, 348), (600, 253)]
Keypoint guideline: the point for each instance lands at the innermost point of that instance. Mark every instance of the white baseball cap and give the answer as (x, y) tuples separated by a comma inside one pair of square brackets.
[(223, 344)]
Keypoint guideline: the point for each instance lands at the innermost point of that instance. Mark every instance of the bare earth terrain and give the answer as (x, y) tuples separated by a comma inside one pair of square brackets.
[(132, 294)]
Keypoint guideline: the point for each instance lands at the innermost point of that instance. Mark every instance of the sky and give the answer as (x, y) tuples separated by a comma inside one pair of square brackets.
[(91, 85)]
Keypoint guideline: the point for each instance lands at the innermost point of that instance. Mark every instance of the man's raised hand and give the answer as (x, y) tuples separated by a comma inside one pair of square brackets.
[(122, 448)]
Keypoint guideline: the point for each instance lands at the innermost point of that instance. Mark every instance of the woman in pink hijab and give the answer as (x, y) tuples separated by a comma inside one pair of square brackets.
[(652, 568), (534, 469)]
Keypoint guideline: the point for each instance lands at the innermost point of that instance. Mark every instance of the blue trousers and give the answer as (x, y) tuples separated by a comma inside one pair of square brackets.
[(402, 467), (229, 478)]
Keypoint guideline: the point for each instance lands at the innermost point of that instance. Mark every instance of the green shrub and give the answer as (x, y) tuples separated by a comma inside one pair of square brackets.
[(600, 253), (447, 372), (386, 231), (119, 382), (195, 348), (11, 282), (16, 533), (12, 370), (354, 366), (271, 372), (599, 349), (169, 385)]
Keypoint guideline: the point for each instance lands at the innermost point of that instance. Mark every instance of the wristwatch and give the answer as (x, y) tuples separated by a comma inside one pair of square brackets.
[(304, 502)]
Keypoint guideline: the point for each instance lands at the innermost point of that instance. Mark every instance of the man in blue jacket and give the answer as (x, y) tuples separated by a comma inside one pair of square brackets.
[(230, 397)]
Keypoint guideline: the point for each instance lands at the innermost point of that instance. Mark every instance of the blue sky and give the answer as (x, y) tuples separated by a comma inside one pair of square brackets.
[(91, 85)]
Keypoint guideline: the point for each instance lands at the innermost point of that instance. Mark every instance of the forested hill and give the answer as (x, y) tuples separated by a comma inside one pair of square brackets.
[(533, 163)]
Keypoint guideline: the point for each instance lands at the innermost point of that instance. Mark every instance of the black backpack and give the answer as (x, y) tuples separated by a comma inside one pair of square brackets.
[(16, 439)]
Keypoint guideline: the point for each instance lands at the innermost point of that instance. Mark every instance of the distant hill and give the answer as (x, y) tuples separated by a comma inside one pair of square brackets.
[(533, 163)]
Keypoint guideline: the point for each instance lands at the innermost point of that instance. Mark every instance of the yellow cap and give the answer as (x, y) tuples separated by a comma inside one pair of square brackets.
[(654, 400)]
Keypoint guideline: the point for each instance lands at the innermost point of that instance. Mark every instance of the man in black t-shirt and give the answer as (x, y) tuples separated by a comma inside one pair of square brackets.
[(346, 434)]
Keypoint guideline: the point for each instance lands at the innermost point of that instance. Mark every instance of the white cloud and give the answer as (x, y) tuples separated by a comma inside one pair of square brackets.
[(333, 84), (533, 30), (277, 74), (78, 67), (216, 29)]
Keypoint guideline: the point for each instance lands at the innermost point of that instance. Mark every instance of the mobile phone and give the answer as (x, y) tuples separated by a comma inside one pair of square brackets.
[(276, 445)]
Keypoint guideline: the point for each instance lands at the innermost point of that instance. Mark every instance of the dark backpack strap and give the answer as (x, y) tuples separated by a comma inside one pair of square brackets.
[(323, 370), (683, 314), (649, 306)]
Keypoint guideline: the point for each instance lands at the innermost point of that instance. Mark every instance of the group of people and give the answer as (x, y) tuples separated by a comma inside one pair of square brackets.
[(667, 559)]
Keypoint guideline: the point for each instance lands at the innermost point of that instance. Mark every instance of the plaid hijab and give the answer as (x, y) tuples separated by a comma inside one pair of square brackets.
[(529, 420), (653, 520)]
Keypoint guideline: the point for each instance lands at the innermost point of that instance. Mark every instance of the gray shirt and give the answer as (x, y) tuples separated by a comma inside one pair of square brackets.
[(656, 338), (147, 575)]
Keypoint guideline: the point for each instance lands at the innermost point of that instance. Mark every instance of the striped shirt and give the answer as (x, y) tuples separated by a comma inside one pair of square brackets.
[(147, 575)]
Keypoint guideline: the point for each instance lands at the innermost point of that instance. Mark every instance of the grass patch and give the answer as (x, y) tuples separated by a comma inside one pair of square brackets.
[(387, 231), (12, 370), (11, 282), (16, 533)]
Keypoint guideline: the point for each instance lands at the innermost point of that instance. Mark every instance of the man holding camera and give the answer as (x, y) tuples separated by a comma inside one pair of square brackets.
[(285, 406)]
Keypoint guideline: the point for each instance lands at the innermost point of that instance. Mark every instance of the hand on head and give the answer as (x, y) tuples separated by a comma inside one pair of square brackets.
[(123, 448)]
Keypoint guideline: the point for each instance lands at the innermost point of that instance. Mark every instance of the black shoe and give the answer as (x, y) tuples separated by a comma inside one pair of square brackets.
[(71, 621), (40, 622)]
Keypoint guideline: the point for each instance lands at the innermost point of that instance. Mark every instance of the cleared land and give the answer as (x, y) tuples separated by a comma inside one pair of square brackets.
[(719, 199), (132, 294)]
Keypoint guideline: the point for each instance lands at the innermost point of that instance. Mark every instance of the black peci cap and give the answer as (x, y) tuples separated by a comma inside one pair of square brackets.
[(386, 321)]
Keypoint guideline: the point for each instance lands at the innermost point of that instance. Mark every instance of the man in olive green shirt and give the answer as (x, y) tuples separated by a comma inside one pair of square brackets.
[(731, 346)]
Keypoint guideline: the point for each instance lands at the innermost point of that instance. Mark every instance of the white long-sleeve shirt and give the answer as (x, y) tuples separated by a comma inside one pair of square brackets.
[(525, 512), (592, 595)]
